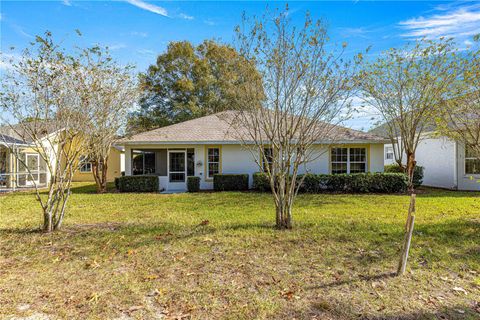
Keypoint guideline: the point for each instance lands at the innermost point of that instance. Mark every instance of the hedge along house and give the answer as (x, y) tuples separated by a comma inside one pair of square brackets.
[(207, 146)]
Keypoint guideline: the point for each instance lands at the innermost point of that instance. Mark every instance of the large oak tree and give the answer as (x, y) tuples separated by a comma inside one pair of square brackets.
[(190, 81)]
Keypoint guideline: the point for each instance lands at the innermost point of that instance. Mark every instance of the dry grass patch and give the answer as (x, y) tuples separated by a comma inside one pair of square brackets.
[(216, 255)]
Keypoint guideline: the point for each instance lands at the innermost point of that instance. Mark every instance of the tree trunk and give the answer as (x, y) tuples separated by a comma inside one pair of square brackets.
[(47, 221), (104, 175), (411, 163), (408, 237), (284, 215), (100, 174)]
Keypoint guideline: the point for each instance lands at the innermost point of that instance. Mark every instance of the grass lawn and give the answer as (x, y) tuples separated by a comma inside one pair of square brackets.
[(216, 255)]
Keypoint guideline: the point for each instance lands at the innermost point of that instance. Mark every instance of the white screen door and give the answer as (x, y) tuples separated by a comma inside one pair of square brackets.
[(33, 164), (177, 170)]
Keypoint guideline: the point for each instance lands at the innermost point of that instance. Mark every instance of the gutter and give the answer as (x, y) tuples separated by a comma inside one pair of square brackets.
[(130, 143)]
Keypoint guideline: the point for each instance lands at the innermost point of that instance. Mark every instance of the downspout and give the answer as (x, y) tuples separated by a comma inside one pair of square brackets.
[(14, 167), (455, 173)]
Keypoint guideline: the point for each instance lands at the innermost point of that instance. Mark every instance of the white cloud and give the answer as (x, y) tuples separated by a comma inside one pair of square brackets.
[(138, 34), (19, 30), (149, 7), (185, 16), (67, 3), (210, 22), (146, 52), (456, 22), (354, 32), (364, 116), (117, 46), (8, 59), (5, 65)]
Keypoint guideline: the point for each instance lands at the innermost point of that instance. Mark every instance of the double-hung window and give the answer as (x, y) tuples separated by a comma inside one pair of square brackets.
[(85, 164), (472, 162), (389, 153), (348, 160), (213, 162)]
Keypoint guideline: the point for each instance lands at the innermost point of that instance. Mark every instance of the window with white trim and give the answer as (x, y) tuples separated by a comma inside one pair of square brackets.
[(348, 160), (389, 153), (213, 162), (84, 164), (472, 162)]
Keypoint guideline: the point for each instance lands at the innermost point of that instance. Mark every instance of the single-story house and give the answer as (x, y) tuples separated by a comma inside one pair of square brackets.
[(207, 146), (447, 163)]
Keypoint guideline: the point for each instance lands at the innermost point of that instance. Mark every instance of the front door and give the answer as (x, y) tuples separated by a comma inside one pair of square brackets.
[(177, 170)]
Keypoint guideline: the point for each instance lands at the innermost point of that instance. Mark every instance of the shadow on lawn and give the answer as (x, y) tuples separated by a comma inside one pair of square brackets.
[(427, 192), (375, 277), (364, 246), (323, 309), (92, 188)]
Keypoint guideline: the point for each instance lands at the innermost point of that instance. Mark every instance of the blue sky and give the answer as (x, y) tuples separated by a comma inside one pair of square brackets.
[(137, 30)]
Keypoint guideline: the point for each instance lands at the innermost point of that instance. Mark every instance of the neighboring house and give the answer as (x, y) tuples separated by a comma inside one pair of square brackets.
[(207, 146), (447, 163), (114, 169), (22, 166), (14, 173)]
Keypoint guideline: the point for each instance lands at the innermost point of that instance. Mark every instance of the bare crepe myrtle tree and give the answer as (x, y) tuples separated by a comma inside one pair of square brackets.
[(459, 116), (44, 101), (304, 89), (113, 92), (406, 86)]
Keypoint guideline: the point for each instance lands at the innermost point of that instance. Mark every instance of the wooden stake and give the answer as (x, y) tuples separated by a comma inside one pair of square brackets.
[(411, 210), (408, 237)]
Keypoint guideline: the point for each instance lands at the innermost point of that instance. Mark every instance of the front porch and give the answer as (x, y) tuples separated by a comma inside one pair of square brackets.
[(172, 165)]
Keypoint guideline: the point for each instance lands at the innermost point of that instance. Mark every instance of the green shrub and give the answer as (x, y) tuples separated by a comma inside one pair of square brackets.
[(417, 173), (137, 183), (313, 183), (230, 182), (349, 183), (193, 184), (261, 182)]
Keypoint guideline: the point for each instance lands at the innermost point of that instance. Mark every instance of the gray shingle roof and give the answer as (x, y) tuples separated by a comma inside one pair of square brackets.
[(8, 140), (21, 132), (217, 128)]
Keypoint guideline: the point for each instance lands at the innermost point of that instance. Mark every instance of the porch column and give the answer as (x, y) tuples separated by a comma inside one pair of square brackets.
[(128, 161)]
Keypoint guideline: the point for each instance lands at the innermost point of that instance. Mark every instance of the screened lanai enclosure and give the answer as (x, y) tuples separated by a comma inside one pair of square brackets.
[(21, 168), (172, 166)]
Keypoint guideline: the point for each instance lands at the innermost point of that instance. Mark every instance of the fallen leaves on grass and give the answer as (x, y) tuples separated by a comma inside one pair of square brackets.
[(459, 289), (289, 295), (163, 235), (204, 223), (92, 265), (150, 277)]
